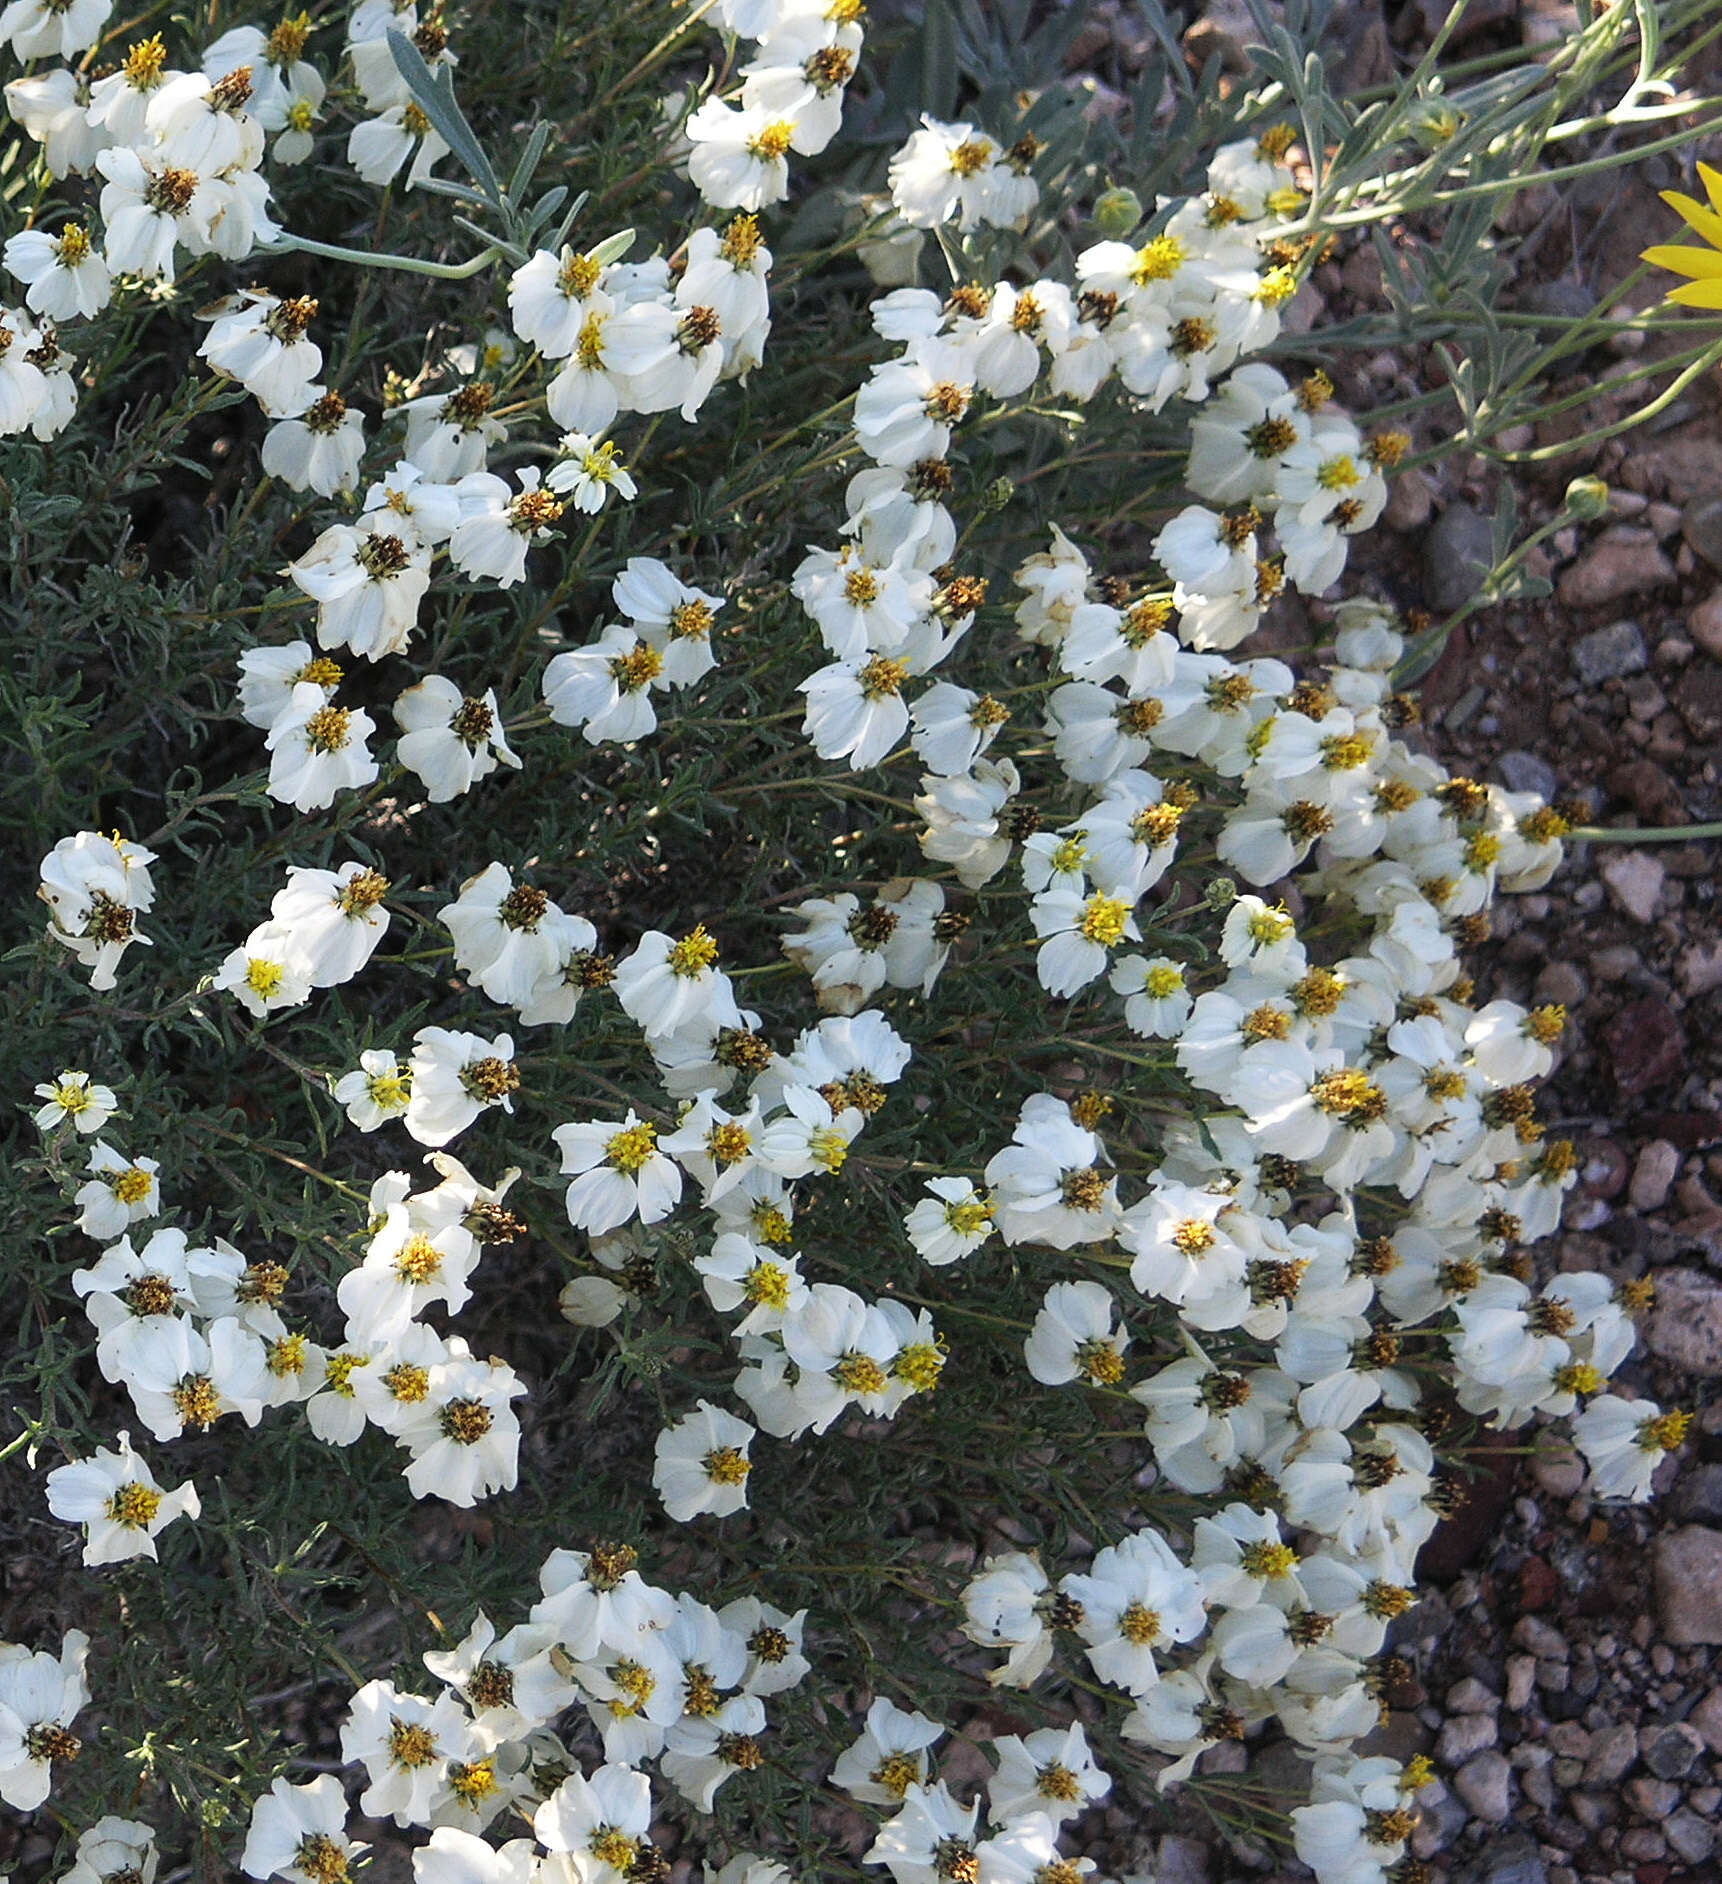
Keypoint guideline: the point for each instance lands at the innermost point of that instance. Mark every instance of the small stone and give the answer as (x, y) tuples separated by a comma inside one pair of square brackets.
[(1521, 1681), (1685, 1328), (1561, 984), (1624, 560), (1699, 968), (1410, 501), (1646, 1046), (1705, 621), (1458, 552), (1706, 1717), (1642, 1845), (1462, 1736), (1527, 772), (1698, 1494), (1653, 1175), (1698, 699), (1558, 1470), (1592, 1810), (1471, 1697), (1689, 1837), (1512, 1858), (1674, 1751), (1485, 1783), (1540, 1638), (1688, 1571), (1613, 1754), (1650, 1798), (1181, 1860), (1610, 653), (1706, 1801), (1634, 878), (1701, 526), (1553, 1677)]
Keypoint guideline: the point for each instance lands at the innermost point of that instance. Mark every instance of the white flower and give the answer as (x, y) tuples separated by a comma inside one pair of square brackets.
[(669, 986), (946, 171), (319, 450), (619, 1173), (587, 471), (670, 615), (267, 972), (114, 1495), (601, 1824), (66, 276), (1050, 1772), (737, 159), (405, 1744), (1137, 1597), (122, 1192), (1006, 1605), (40, 1696), (855, 709), (700, 1466), (498, 526), (54, 108), (260, 341), (951, 1224), (300, 1832), (147, 208), (336, 916), (1046, 1187), (377, 147), (113, 1849), (367, 582), (455, 1077), (606, 689), (95, 887), (1624, 1441), (1073, 1337), (53, 29), (76, 1097), (1077, 931), (463, 1435), (318, 750), (510, 940), (890, 1756)]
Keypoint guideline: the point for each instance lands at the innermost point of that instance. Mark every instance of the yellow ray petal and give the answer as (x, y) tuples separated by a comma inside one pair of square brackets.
[(1712, 181), (1706, 224), (1684, 261), (1698, 293)]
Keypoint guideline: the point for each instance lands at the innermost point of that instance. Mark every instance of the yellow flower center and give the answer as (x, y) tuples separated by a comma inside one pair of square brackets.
[(133, 1505), (197, 1401), (1103, 920), (768, 1285), (132, 1186), (1159, 259), (410, 1744), (629, 1148), (725, 1466), (1163, 981), (694, 953), (1139, 1625), (971, 156)]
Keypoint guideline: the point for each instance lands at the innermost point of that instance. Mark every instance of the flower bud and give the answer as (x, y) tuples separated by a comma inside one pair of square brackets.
[(1116, 212)]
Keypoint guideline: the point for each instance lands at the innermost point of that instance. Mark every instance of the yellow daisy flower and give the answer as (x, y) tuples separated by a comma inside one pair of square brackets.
[(1703, 265)]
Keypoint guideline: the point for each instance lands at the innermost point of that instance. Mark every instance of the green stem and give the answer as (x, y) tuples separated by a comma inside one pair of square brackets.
[(408, 264), (1647, 834)]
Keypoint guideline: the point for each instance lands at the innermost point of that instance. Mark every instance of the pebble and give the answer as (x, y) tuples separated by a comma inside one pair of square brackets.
[(1462, 1736), (1642, 1845), (1689, 1837), (1705, 621), (1613, 1754), (1674, 1751), (1521, 1681), (1470, 1696), (1527, 772), (1699, 968), (1706, 1717), (1701, 526), (1458, 552), (1410, 502), (1569, 1739), (1646, 1045), (1485, 1783), (1624, 560), (1610, 653), (1634, 879), (1563, 984), (1181, 1860), (1652, 1798), (1559, 1471), (1653, 1175), (1544, 1640), (1688, 1571), (1685, 1328)]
